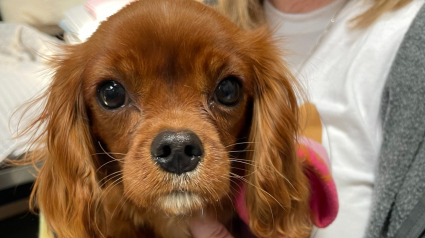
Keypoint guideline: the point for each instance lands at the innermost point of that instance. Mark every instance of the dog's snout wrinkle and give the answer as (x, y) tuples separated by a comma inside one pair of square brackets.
[(177, 151)]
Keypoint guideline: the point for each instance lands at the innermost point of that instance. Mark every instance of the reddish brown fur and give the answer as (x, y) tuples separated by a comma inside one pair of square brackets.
[(169, 55)]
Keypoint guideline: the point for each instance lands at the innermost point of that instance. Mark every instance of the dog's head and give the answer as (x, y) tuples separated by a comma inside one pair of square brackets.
[(186, 106)]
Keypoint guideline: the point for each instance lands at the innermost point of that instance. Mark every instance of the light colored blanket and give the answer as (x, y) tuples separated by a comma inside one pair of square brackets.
[(23, 75)]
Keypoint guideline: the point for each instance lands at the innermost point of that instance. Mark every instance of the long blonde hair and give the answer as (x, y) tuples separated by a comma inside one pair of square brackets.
[(248, 14)]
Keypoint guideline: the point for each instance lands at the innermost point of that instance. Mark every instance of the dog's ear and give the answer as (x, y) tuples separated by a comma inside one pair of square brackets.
[(66, 190), (277, 189)]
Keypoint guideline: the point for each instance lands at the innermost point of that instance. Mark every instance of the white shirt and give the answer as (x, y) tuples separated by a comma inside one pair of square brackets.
[(344, 78)]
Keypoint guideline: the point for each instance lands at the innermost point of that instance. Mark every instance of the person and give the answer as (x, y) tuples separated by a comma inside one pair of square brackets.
[(362, 66)]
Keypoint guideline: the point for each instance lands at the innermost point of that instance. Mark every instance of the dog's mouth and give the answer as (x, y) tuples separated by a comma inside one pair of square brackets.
[(180, 202)]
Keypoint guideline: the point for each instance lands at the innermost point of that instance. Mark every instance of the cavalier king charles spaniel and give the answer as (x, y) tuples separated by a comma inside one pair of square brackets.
[(169, 111)]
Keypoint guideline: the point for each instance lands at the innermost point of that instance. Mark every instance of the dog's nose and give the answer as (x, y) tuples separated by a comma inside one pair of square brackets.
[(177, 151)]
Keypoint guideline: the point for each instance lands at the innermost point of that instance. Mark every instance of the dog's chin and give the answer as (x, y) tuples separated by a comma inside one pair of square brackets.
[(180, 203)]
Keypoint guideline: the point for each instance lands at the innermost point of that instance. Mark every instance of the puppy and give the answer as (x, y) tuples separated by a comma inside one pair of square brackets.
[(160, 117)]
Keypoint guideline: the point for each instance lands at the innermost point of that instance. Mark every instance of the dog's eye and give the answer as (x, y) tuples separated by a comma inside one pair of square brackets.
[(111, 95), (228, 91)]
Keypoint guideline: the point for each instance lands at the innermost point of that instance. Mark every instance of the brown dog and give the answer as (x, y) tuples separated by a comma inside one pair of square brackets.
[(159, 117)]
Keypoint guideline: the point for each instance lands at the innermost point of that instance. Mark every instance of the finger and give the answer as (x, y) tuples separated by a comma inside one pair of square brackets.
[(208, 228)]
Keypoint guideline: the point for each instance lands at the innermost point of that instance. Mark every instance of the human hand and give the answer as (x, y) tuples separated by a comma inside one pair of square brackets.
[(206, 227)]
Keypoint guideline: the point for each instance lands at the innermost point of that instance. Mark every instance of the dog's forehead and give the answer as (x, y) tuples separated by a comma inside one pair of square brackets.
[(173, 41), (152, 27)]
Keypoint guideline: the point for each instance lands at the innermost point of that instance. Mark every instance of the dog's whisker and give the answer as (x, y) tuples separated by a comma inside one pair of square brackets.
[(95, 214), (109, 177), (111, 153), (208, 188), (237, 184), (248, 174), (110, 187), (269, 168), (241, 161), (208, 184), (247, 163), (98, 228), (271, 211), (120, 203), (238, 151), (108, 154), (240, 143), (227, 193), (259, 188), (111, 161)]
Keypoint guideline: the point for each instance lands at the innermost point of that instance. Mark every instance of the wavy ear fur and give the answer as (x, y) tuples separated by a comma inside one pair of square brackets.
[(66, 190), (278, 191)]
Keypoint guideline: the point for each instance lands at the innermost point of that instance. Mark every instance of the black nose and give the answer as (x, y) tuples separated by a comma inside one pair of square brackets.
[(177, 151)]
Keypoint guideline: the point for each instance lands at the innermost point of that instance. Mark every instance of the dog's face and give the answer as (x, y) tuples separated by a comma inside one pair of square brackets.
[(171, 90), (172, 96)]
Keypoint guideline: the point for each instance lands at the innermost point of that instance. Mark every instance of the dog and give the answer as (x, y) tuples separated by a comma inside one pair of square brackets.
[(162, 116)]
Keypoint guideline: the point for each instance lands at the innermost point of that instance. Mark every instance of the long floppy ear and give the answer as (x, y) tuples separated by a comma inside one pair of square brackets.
[(277, 191), (66, 190)]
